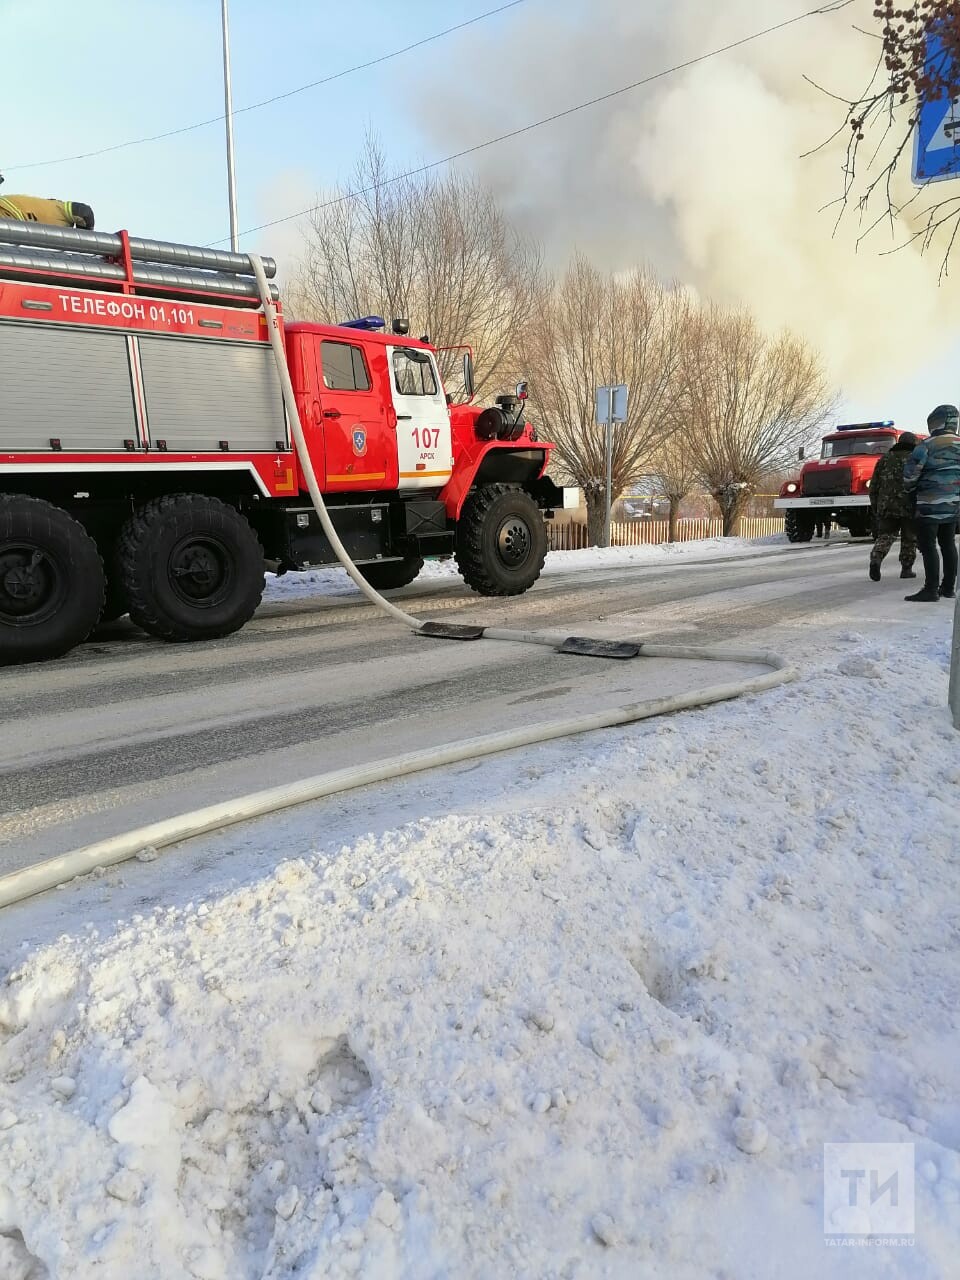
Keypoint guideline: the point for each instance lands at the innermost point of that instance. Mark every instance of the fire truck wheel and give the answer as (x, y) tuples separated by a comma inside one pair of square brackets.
[(51, 580), (115, 603), (863, 529), (191, 568), (798, 526), (501, 541), (392, 573)]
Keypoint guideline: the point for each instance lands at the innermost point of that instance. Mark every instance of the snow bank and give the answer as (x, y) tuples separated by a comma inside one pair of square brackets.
[(598, 1023), (334, 581)]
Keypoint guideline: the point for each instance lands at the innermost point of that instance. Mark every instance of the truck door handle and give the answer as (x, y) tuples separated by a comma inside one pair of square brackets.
[(331, 413), (404, 417)]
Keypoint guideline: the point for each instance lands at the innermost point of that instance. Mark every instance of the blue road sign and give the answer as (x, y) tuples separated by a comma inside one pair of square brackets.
[(936, 144)]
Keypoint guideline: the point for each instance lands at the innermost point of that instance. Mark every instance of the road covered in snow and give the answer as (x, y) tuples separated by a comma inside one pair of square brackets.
[(590, 1010), (126, 730)]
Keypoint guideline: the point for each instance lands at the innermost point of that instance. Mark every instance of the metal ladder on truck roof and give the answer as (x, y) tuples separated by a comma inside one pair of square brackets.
[(65, 256)]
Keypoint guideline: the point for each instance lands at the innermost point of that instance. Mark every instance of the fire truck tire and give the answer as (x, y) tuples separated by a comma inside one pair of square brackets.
[(501, 541), (863, 529), (51, 580), (798, 526), (115, 603), (191, 568), (388, 575)]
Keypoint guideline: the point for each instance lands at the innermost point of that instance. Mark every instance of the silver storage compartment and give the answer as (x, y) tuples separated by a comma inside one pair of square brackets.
[(199, 393), (64, 384)]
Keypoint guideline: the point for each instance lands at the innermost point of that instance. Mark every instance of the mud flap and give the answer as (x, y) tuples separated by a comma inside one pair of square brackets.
[(584, 647), (450, 631)]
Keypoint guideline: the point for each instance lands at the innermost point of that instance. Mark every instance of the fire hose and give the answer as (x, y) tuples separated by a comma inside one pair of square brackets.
[(55, 871)]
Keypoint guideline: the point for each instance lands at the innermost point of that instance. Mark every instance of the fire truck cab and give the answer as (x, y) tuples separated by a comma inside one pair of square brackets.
[(837, 484), (146, 462)]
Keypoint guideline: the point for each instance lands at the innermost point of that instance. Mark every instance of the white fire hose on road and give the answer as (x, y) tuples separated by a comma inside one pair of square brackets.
[(55, 871)]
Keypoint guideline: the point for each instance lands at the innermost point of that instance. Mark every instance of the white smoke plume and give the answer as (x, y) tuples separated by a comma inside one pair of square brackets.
[(700, 173)]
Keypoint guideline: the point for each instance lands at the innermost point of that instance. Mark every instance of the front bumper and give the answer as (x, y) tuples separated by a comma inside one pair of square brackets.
[(834, 503)]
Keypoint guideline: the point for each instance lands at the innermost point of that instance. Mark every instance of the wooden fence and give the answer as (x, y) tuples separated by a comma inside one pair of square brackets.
[(645, 533)]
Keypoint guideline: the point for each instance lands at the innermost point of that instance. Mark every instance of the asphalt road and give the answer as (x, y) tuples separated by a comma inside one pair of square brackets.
[(126, 729)]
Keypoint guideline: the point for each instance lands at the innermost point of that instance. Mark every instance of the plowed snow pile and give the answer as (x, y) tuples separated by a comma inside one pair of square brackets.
[(598, 1021), (333, 581)]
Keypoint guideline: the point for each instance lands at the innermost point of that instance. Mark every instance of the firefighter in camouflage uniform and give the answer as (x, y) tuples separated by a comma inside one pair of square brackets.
[(893, 509)]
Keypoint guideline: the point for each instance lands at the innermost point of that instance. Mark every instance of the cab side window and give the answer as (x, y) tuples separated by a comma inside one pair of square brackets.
[(344, 368), (413, 373)]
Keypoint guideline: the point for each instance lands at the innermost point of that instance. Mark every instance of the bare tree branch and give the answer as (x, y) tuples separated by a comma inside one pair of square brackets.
[(591, 329), (750, 402), (438, 251), (884, 116)]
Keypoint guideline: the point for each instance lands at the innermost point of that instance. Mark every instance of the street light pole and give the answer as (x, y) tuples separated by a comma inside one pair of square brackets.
[(228, 115)]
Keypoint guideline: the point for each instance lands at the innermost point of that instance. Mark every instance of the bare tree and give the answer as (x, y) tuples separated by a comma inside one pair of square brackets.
[(676, 463), (437, 251), (751, 401), (592, 329), (883, 117)]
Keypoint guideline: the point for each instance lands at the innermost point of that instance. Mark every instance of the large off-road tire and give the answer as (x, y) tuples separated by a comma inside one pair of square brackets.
[(115, 602), (865, 528), (191, 568), (387, 575), (51, 580), (798, 525), (501, 541)]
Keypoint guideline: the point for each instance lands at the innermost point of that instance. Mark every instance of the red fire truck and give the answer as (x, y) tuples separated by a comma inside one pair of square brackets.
[(837, 484), (146, 463)]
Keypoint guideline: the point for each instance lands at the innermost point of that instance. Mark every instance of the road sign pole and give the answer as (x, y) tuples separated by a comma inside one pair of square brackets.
[(936, 157), (609, 469)]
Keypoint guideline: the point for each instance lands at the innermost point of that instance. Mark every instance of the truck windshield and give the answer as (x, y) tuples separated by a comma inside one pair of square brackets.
[(848, 445)]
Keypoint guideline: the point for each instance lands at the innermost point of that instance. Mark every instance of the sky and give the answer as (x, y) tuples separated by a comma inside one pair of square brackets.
[(698, 174)]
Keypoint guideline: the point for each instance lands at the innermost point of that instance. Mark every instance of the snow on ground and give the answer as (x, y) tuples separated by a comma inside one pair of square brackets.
[(595, 1018), (334, 581)]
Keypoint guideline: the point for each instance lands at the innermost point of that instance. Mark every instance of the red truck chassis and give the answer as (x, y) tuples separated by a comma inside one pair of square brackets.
[(146, 463)]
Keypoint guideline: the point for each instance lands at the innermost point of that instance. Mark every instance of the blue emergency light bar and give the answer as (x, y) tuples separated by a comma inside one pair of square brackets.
[(365, 322), (864, 426)]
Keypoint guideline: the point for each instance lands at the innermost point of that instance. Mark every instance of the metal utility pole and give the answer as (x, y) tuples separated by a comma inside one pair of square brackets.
[(228, 114), (609, 469)]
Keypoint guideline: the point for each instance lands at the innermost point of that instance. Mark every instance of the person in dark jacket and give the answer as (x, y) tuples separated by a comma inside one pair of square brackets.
[(892, 509), (932, 472)]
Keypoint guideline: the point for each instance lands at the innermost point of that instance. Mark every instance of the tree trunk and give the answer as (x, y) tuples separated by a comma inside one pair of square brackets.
[(731, 506), (596, 508), (674, 512)]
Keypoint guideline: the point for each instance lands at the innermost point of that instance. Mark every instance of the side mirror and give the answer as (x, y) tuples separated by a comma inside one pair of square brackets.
[(521, 391), (468, 375), (801, 454)]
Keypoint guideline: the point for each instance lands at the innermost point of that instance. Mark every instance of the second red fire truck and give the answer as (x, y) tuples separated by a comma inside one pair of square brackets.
[(837, 484)]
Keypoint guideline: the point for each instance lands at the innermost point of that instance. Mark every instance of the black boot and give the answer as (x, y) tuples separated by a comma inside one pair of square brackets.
[(907, 573), (927, 595), (874, 571), (947, 593)]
